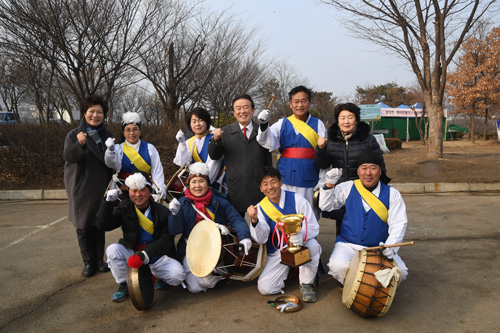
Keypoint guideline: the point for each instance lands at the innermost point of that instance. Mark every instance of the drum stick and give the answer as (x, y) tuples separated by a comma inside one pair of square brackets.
[(387, 246), (272, 99)]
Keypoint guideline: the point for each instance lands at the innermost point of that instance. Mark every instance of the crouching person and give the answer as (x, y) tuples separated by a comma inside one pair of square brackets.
[(145, 233), (264, 215)]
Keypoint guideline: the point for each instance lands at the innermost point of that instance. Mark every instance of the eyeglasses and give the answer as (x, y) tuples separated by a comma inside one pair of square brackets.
[(133, 130)]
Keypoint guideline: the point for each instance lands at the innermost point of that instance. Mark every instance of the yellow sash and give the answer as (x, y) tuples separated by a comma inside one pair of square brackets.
[(372, 201), (212, 215), (270, 210), (305, 130), (194, 151), (144, 222), (136, 159)]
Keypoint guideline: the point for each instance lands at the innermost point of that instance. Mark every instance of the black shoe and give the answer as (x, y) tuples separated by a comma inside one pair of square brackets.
[(102, 266), (88, 270)]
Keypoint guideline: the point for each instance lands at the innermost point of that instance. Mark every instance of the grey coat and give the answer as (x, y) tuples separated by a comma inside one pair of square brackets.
[(85, 177), (244, 159)]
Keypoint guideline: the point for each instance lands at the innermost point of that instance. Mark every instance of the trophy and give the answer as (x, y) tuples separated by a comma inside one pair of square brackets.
[(293, 255)]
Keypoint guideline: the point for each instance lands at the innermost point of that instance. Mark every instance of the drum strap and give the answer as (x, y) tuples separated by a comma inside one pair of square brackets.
[(194, 150), (378, 207), (306, 130), (144, 222), (136, 158), (212, 215)]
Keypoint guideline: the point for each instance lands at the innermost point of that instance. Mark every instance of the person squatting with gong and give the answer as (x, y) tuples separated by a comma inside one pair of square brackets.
[(375, 214), (146, 238), (264, 215)]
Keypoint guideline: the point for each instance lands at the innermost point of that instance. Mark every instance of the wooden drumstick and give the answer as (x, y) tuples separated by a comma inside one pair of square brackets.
[(271, 103), (387, 246)]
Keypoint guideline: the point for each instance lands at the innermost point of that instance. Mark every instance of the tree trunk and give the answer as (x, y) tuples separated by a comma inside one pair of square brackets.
[(435, 141), (472, 129), (485, 129)]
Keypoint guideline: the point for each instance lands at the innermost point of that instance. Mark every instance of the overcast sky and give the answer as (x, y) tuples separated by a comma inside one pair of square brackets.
[(308, 37)]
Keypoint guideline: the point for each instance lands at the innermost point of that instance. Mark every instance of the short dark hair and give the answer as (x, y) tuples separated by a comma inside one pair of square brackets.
[(92, 100), (243, 96), (351, 107), (268, 171), (300, 89), (200, 113)]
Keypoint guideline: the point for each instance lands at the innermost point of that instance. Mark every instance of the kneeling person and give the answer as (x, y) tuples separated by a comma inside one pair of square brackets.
[(375, 214), (145, 232), (200, 203), (277, 203)]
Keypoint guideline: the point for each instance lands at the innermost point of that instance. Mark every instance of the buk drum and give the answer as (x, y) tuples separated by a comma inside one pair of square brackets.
[(177, 184), (208, 251), (362, 292), (141, 287)]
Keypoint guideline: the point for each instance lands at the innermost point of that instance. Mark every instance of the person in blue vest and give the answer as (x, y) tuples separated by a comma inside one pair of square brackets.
[(133, 155), (146, 237), (296, 137), (264, 215), (195, 149), (375, 214), (201, 203)]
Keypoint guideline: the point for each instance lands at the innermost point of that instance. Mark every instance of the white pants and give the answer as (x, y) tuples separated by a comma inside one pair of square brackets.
[(197, 284), (341, 258), (306, 192), (272, 278), (165, 268)]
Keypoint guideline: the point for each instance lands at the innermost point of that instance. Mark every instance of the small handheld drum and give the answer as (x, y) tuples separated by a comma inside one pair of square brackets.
[(141, 287), (207, 250), (363, 293), (177, 184)]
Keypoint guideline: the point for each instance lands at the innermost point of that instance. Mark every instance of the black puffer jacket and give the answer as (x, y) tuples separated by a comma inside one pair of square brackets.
[(341, 154), (124, 215)]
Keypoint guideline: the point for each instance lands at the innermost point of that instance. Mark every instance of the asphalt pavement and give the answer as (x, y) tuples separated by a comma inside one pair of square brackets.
[(453, 283)]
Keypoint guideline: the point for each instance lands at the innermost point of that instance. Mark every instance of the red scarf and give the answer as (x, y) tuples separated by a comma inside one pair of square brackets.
[(200, 203)]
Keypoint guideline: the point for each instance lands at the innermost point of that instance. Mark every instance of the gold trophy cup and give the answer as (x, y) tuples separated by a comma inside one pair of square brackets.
[(293, 255)]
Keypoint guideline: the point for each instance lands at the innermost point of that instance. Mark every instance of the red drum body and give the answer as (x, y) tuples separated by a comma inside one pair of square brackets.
[(363, 293), (177, 184), (208, 251)]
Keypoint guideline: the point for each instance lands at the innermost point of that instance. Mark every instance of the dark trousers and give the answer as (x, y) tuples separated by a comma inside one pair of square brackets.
[(91, 242)]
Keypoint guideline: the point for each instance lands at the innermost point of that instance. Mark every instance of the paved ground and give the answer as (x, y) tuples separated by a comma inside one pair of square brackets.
[(453, 283)]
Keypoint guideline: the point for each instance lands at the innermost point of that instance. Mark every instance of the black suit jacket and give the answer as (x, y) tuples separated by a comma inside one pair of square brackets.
[(244, 159)]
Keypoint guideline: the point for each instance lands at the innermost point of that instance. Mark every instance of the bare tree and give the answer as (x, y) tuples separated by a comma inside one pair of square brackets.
[(88, 43), (427, 34), (11, 91)]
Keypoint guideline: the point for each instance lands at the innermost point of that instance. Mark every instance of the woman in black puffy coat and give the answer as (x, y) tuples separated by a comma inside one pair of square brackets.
[(347, 138)]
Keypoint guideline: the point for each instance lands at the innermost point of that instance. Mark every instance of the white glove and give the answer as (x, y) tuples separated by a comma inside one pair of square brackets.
[(174, 206), (180, 137), (297, 239), (110, 143), (263, 117), (388, 252), (112, 195), (247, 244), (333, 176), (223, 230), (162, 193)]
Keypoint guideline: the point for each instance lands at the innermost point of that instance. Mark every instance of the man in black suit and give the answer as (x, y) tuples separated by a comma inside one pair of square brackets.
[(244, 156)]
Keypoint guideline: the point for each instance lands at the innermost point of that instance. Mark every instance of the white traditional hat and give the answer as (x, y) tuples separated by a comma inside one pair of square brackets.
[(137, 181), (131, 118)]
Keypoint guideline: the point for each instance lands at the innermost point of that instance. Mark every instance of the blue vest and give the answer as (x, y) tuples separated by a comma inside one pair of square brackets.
[(360, 227), (289, 209), (297, 171), (128, 167), (146, 238), (204, 150)]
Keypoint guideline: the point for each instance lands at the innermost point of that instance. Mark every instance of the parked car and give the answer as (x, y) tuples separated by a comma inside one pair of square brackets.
[(7, 118)]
